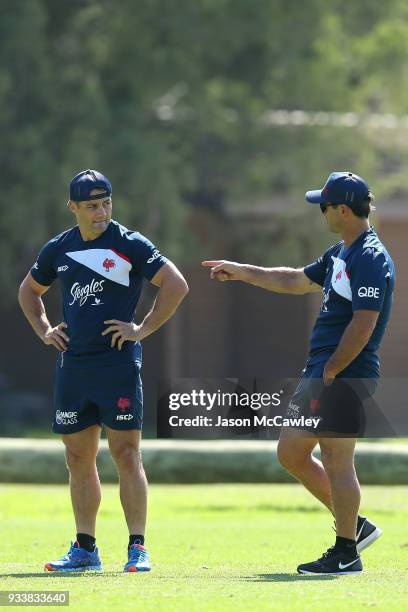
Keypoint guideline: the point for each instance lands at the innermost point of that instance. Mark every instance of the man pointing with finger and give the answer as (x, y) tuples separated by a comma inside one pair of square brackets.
[(357, 278), (101, 266)]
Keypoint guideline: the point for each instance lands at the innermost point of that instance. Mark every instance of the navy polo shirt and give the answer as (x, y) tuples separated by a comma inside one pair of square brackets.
[(360, 276), (100, 279)]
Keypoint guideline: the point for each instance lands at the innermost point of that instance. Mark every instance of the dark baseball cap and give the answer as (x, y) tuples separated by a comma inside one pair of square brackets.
[(83, 183), (340, 188)]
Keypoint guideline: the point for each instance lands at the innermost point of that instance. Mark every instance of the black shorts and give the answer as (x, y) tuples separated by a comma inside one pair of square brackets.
[(110, 395), (340, 407)]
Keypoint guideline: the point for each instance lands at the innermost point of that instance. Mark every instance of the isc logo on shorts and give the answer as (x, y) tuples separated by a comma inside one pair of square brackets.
[(124, 417), (372, 292)]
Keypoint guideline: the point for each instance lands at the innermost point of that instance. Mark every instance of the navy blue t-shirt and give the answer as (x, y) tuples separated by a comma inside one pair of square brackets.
[(358, 277), (100, 279)]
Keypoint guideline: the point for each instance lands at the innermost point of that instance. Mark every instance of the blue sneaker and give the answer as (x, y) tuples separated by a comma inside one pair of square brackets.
[(138, 559), (77, 559)]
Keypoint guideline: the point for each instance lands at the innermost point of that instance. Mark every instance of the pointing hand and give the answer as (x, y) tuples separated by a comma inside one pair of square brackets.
[(222, 270)]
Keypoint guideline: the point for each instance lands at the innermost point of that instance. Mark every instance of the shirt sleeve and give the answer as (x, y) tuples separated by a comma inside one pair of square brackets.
[(43, 270), (369, 278), (317, 270), (146, 257)]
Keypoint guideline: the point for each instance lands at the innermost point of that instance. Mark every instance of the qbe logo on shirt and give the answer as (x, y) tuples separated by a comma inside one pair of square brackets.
[(371, 292)]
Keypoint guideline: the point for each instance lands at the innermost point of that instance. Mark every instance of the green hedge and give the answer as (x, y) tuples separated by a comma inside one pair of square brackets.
[(169, 461)]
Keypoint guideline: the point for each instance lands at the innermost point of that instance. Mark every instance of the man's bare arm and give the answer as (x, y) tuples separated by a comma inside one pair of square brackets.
[(355, 337), (280, 280), (172, 290), (30, 300)]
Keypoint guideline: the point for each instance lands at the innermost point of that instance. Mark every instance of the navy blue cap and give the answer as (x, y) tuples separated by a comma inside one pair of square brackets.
[(340, 188), (83, 183)]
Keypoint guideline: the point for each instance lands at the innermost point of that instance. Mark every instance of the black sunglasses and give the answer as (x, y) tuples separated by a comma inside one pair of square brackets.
[(323, 207)]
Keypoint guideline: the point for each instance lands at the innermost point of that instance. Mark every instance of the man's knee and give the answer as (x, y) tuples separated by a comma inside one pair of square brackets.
[(127, 458), (336, 461), (292, 455), (81, 448), (79, 459)]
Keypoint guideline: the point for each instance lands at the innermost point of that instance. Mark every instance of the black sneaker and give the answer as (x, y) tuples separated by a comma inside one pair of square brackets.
[(367, 533), (333, 562)]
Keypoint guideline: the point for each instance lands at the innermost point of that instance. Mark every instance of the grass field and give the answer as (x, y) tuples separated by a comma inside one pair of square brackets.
[(213, 547)]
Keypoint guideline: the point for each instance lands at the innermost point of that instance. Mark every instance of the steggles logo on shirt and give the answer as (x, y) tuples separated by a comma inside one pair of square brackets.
[(83, 293)]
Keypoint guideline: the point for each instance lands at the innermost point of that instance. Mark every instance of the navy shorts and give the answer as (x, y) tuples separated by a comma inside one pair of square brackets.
[(112, 396), (340, 406)]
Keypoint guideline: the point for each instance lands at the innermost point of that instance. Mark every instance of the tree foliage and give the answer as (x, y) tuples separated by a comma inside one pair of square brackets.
[(167, 99)]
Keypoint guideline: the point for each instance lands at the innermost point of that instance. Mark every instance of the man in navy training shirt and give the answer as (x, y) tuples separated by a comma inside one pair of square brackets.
[(101, 266), (357, 277)]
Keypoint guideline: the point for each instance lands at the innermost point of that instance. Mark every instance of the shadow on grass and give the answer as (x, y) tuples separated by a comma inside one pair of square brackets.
[(51, 575), (284, 578), (258, 508), (255, 578)]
